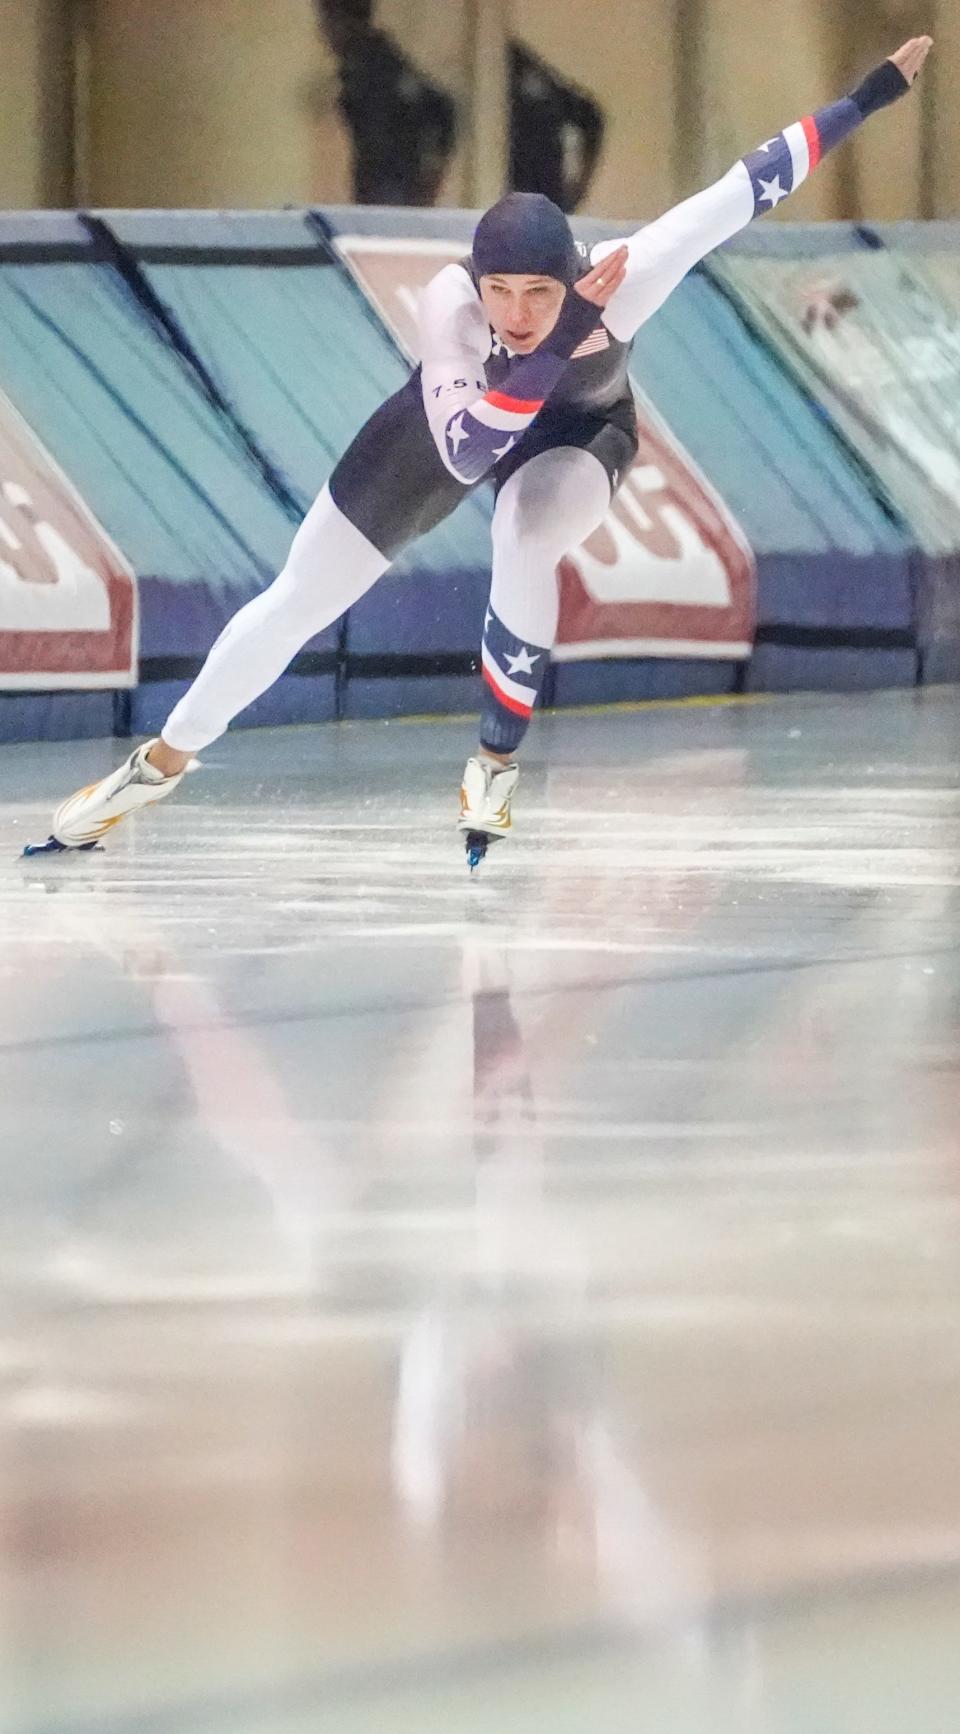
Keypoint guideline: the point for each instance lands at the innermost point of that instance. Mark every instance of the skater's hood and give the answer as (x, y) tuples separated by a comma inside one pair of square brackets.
[(525, 234)]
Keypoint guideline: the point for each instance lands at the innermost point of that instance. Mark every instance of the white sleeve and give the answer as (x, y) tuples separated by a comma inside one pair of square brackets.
[(454, 344), (663, 252)]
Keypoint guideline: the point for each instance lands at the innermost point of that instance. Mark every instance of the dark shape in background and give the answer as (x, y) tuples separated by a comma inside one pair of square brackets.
[(402, 126), (556, 131)]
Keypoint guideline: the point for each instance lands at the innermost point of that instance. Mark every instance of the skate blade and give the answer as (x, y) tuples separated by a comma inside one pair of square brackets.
[(477, 844), (53, 846)]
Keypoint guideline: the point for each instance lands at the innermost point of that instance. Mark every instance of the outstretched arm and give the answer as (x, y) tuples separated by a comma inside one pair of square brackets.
[(661, 254)]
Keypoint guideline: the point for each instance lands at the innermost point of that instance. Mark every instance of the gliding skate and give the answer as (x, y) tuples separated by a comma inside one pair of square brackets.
[(81, 820), (485, 796)]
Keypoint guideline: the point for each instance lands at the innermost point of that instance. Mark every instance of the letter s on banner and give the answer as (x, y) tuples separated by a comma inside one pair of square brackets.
[(68, 598), (669, 572)]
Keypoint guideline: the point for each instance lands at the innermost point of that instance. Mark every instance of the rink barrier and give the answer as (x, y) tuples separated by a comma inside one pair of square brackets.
[(120, 416), (195, 570), (829, 553), (196, 441), (58, 716), (871, 331)]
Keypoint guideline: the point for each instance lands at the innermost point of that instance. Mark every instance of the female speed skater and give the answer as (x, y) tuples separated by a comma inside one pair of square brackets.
[(525, 348)]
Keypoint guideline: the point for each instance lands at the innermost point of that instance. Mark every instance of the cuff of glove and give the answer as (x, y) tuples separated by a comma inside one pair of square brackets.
[(578, 317), (881, 87)]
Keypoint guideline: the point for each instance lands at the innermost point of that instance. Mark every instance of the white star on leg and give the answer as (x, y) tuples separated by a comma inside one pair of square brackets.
[(501, 451), (522, 663), (487, 619), (457, 434), (773, 191), (768, 146)]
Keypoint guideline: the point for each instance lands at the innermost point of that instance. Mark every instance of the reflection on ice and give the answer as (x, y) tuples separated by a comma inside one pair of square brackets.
[(427, 1299)]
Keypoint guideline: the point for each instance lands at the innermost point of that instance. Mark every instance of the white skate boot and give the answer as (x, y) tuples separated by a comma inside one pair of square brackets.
[(85, 817), (485, 796)]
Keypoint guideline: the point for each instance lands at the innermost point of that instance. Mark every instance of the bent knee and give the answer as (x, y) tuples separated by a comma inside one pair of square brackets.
[(552, 502)]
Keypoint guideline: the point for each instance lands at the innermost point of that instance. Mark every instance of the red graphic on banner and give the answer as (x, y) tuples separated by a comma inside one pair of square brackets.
[(67, 596), (669, 572)]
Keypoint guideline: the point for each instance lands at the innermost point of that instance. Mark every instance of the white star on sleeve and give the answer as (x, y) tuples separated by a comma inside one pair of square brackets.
[(522, 663), (501, 451), (457, 434), (773, 191)]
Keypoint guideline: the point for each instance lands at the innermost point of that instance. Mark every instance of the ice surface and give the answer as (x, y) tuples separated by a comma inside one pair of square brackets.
[(512, 1302)]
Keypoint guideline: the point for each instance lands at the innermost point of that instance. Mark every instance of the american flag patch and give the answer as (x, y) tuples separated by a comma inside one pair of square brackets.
[(599, 339)]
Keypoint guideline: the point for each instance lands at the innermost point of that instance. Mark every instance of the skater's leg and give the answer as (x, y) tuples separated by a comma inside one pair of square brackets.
[(546, 508), (389, 487), (548, 505), (330, 565)]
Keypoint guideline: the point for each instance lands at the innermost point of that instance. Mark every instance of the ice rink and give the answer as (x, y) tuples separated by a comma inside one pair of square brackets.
[(435, 1305)]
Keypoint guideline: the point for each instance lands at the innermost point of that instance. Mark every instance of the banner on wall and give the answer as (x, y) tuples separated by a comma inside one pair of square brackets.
[(875, 338), (669, 572), (68, 603)]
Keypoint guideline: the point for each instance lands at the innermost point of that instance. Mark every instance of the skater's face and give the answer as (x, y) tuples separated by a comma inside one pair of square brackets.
[(523, 310)]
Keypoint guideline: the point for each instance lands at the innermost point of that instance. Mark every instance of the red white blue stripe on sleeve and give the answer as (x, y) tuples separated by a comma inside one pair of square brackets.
[(778, 167), (512, 668), (479, 436)]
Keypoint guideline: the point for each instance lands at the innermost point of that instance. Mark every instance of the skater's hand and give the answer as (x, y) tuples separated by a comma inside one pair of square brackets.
[(600, 284), (910, 58)]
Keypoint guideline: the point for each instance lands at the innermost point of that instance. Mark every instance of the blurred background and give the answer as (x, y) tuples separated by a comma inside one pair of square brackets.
[(612, 109)]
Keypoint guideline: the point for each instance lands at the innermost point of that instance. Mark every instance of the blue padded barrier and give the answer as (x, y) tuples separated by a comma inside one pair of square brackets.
[(438, 613), (267, 311), (858, 562), (125, 421), (620, 680), (397, 694), (157, 464), (829, 556), (55, 716), (293, 699), (811, 668), (828, 552), (886, 373)]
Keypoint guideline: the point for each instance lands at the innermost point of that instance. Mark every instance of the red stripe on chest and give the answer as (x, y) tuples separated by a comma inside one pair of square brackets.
[(518, 405)]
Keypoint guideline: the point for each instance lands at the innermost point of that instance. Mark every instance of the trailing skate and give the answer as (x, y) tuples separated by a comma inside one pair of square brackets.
[(81, 820), (485, 796)]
